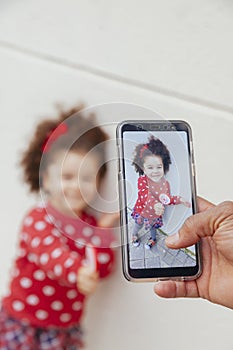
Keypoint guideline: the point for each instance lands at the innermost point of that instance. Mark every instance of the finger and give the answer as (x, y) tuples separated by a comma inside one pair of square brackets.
[(87, 281), (175, 289), (88, 287), (87, 272), (203, 204), (200, 225), (86, 284), (109, 220)]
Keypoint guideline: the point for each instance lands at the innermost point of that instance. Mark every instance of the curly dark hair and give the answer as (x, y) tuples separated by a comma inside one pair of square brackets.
[(82, 135), (153, 147)]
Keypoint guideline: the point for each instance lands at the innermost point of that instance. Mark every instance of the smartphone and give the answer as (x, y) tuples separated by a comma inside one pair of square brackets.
[(157, 194)]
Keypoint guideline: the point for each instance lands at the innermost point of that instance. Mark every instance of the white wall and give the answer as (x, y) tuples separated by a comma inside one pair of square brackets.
[(171, 56)]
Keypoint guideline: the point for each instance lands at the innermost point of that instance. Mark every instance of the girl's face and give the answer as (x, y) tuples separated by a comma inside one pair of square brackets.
[(153, 168), (71, 181)]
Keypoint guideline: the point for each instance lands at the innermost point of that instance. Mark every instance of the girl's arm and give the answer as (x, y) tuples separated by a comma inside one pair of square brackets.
[(177, 199), (173, 199), (142, 191)]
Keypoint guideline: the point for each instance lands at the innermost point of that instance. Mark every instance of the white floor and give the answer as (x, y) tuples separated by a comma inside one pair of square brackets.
[(171, 56)]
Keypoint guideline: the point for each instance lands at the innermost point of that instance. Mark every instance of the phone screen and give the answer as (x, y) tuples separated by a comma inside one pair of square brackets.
[(159, 195)]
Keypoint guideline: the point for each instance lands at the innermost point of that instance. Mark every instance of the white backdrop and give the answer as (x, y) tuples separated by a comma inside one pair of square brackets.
[(173, 57)]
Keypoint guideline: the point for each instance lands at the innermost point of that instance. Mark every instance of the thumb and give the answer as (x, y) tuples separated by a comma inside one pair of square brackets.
[(200, 225)]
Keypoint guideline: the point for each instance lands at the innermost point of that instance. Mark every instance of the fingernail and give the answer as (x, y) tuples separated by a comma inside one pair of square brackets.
[(173, 239)]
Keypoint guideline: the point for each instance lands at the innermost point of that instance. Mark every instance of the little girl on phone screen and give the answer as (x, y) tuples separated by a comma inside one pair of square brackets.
[(51, 276), (152, 161)]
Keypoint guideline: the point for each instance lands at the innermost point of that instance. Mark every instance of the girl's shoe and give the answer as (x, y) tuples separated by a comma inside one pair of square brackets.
[(150, 243), (135, 241)]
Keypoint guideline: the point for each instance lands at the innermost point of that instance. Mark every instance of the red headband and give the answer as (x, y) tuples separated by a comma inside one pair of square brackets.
[(53, 135), (142, 150)]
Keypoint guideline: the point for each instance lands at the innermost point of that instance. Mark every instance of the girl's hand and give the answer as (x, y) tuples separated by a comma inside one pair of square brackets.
[(184, 202), (87, 280), (109, 220), (159, 209)]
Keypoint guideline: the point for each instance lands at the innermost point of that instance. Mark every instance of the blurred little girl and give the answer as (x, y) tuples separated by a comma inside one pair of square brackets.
[(51, 276), (152, 161)]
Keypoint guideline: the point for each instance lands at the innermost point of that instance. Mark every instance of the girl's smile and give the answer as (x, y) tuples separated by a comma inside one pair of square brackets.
[(153, 168)]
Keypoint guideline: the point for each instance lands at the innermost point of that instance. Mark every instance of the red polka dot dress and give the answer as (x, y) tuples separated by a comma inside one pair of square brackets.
[(149, 194), (43, 289)]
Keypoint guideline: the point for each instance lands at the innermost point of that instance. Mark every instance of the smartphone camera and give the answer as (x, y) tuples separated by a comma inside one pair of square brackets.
[(140, 127)]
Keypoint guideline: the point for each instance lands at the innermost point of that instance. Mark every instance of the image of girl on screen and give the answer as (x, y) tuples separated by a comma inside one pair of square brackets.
[(152, 161)]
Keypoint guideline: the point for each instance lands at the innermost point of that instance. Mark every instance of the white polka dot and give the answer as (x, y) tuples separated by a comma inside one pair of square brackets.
[(48, 290), (32, 257), (28, 221), (96, 240), (25, 282), (87, 231), (44, 258), (65, 317), (57, 270), (32, 299), (57, 305), (71, 294), (56, 232), (35, 242), (22, 252), (48, 240), (80, 243), (56, 253), (77, 306), (103, 258), (69, 229), (24, 236), (72, 277), (49, 218), (17, 305), (39, 275), (40, 225), (68, 263), (41, 314)]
